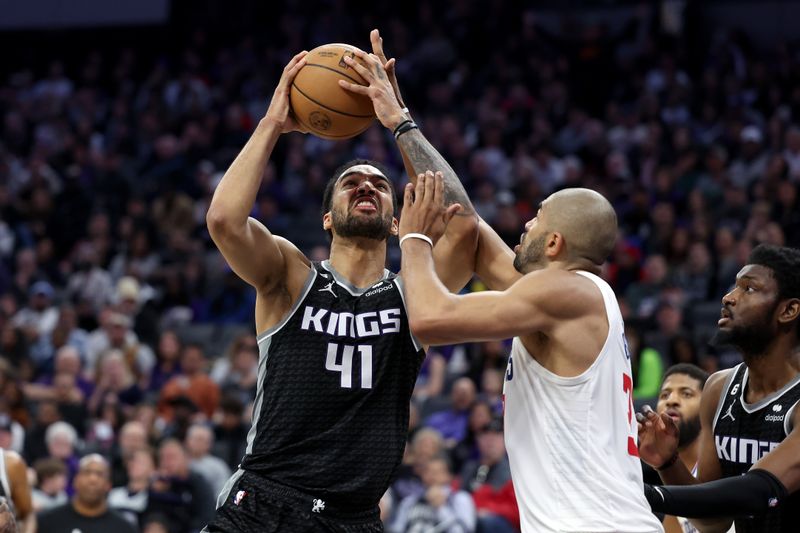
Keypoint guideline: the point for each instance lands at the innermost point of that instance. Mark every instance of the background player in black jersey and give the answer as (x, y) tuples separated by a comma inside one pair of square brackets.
[(750, 422), (337, 360)]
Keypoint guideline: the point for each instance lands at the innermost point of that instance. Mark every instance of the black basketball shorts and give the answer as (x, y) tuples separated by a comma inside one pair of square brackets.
[(253, 504)]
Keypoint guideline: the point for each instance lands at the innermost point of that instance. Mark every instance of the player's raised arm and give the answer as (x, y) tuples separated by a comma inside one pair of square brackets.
[(455, 253), (250, 249)]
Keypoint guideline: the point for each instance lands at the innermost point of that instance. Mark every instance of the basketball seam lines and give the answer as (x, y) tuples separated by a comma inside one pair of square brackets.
[(336, 71), (329, 108), (346, 135)]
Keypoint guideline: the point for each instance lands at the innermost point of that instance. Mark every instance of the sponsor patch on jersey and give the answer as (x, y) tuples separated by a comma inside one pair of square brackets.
[(377, 290), (239, 497), (773, 418)]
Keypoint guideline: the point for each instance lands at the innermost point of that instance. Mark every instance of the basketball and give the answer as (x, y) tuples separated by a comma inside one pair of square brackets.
[(319, 104)]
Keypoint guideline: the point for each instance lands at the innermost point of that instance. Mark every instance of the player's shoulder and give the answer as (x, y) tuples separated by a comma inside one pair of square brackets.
[(561, 288), (291, 252), (713, 389)]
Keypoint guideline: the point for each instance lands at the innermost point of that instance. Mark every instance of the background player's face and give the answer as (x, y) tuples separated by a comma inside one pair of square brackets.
[(362, 207), (680, 399), (748, 311), (530, 250)]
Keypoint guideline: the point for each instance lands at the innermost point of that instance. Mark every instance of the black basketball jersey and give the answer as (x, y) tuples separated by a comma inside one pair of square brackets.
[(744, 433), (335, 379)]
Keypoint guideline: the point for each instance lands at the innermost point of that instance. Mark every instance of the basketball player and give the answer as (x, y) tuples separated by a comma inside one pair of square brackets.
[(749, 438), (679, 398), (337, 359), (570, 433), (15, 489)]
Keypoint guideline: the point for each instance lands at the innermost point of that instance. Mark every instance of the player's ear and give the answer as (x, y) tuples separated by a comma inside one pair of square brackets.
[(789, 311), (554, 244), (327, 221), (395, 229)]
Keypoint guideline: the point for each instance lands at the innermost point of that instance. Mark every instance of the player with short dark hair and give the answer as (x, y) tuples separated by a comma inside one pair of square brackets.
[(679, 398), (750, 424), (337, 361)]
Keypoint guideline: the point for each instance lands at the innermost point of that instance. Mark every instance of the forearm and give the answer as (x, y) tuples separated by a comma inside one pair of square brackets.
[(236, 193), (425, 293), (751, 494), (421, 156)]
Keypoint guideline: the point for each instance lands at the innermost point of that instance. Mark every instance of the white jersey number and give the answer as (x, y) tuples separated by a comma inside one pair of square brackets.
[(345, 366)]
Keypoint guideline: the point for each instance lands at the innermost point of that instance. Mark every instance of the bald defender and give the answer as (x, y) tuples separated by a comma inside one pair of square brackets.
[(570, 430)]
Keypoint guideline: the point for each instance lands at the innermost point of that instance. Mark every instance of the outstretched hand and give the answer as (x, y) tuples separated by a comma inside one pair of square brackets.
[(658, 437), (379, 88), (423, 207), (388, 64), (279, 111)]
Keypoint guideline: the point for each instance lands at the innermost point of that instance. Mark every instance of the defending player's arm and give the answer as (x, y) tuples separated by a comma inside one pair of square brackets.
[(534, 303), (257, 256), (455, 252), (20, 491)]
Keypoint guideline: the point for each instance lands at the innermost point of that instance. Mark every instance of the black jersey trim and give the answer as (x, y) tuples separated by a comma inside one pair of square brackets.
[(399, 284), (346, 285), (725, 391), (751, 408), (306, 289)]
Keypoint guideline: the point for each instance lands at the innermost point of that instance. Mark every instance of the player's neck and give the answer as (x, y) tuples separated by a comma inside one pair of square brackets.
[(689, 454), (359, 261), (770, 372)]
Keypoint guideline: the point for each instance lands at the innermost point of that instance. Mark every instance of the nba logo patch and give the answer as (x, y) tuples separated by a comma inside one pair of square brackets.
[(239, 497)]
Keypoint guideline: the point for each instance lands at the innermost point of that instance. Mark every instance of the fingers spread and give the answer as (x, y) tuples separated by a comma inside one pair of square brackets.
[(352, 87)]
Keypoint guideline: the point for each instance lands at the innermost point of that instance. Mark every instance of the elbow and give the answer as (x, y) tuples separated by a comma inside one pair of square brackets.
[(218, 222), (425, 329)]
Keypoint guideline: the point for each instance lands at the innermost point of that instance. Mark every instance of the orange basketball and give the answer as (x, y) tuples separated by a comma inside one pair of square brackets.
[(319, 104)]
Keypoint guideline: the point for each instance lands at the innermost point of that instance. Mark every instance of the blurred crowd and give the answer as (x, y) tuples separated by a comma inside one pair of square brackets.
[(123, 332)]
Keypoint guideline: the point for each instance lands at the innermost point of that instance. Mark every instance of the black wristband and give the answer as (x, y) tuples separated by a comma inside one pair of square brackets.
[(397, 128), (404, 127), (671, 461)]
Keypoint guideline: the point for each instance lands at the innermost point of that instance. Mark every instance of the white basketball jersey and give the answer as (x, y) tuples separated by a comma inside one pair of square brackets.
[(572, 441)]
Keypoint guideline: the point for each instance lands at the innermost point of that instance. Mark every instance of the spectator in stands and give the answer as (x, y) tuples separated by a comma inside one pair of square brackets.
[(193, 383), (178, 493), (230, 432), (199, 441), (62, 442), (114, 377), (488, 479), (452, 423), (242, 376), (130, 499), (438, 507), (132, 437), (167, 361), (88, 510), (426, 444), (51, 483), (40, 316), (116, 334), (480, 414)]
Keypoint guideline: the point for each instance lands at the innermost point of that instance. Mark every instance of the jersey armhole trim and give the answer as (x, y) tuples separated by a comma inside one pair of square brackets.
[(788, 425), (724, 394)]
